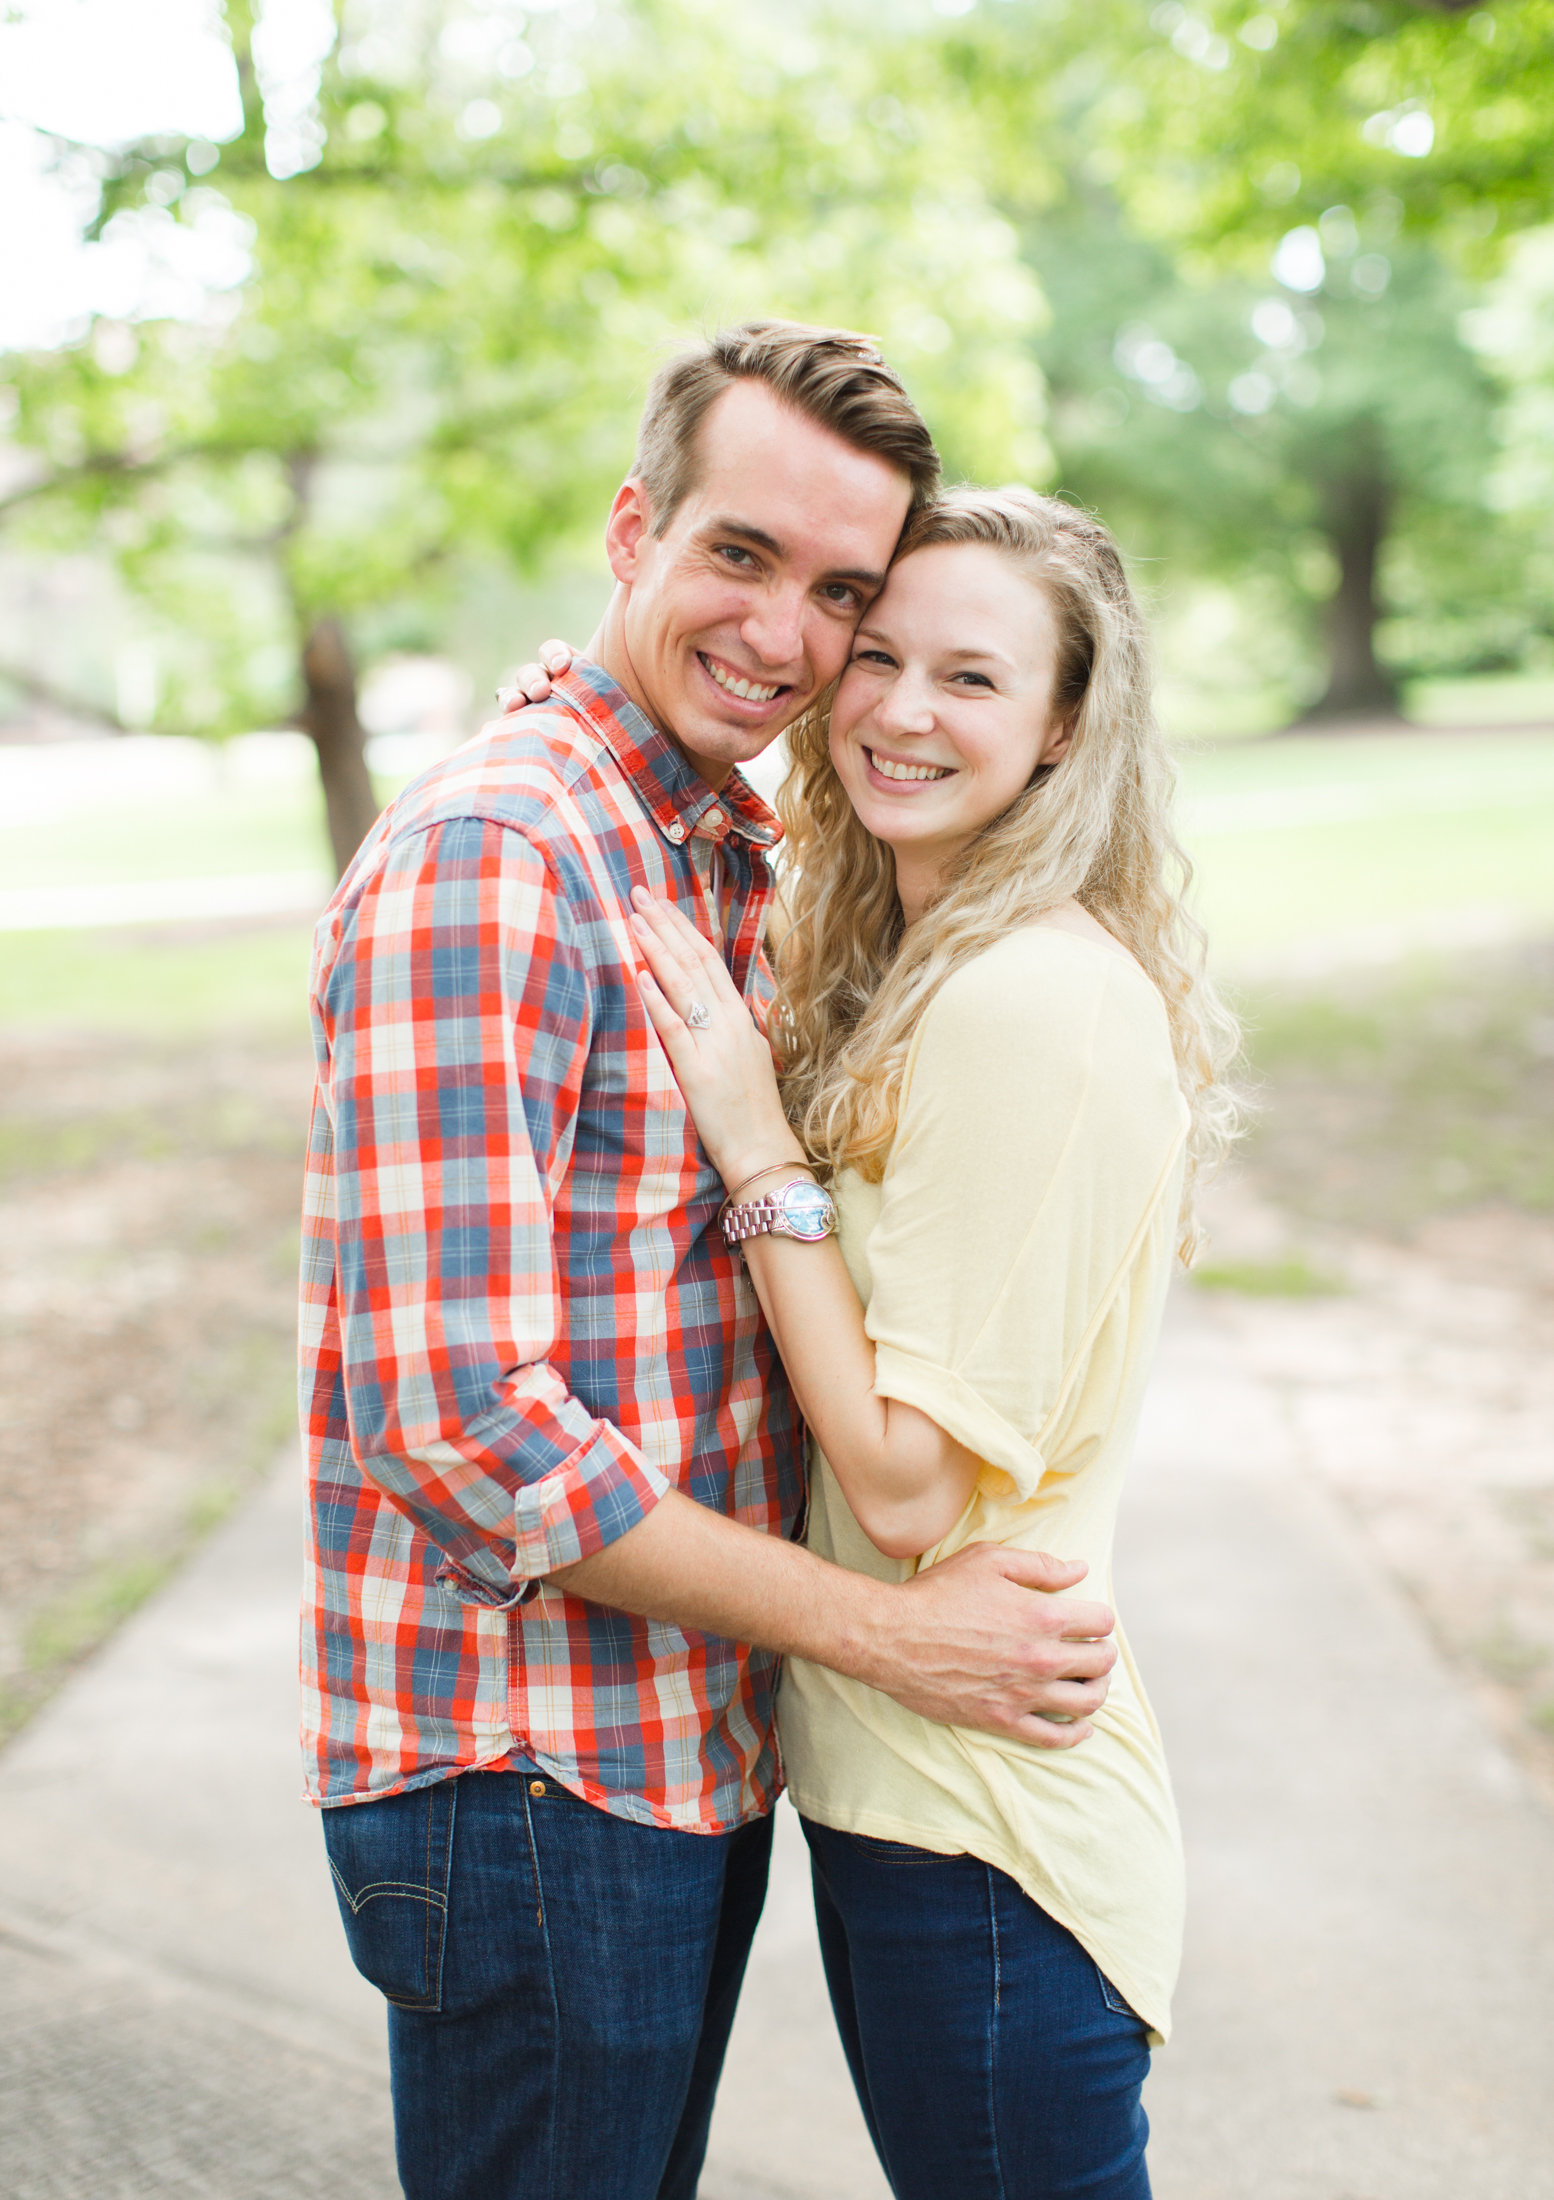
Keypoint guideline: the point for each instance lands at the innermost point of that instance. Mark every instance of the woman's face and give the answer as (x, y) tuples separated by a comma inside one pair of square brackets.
[(945, 707)]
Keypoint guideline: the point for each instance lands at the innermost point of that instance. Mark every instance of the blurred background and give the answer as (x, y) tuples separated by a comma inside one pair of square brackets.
[(323, 331)]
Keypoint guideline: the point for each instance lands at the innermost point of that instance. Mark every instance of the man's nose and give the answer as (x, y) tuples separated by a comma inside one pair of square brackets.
[(774, 628)]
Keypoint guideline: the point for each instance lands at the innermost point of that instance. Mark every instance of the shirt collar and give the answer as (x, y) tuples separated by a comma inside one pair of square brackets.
[(674, 794)]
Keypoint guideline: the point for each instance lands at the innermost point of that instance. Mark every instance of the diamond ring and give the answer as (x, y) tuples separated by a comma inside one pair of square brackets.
[(698, 1016)]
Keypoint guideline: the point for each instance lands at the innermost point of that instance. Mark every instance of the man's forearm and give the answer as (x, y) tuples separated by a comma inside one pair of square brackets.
[(966, 1643), (699, 1569)]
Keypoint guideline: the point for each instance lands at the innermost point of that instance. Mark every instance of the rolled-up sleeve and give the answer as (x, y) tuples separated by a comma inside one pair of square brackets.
[(454, 1013)]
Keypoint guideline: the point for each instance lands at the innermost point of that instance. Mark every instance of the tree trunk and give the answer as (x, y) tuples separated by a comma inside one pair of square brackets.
[(329, 719), (1356, 527)]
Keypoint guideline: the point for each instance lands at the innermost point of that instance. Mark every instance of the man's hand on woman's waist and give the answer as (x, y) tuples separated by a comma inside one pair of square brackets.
[(986, 1640)]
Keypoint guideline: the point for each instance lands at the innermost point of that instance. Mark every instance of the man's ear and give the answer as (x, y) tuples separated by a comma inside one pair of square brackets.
[(628, 531)]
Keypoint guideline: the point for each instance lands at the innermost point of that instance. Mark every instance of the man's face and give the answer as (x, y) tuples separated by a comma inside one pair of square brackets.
[(742, 612)]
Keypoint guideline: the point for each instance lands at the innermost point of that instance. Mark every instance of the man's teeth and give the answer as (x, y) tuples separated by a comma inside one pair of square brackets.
[(747, 688), (888, 770)]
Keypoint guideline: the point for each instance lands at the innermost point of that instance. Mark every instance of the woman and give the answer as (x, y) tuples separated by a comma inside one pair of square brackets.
[(997, 1055)]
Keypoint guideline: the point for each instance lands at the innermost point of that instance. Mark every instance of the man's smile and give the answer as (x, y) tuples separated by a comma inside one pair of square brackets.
[(740, 684)]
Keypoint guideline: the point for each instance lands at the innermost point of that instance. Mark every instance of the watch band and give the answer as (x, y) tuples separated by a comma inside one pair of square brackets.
[(803, 1210)]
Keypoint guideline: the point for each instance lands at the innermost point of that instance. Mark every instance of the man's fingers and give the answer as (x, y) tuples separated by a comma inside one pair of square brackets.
[(1039, 1569), (1052, 1733), (1086, 1660)]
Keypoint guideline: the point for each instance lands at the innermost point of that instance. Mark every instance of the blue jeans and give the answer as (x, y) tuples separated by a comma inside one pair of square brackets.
[(561, 1984), (992, 2058)]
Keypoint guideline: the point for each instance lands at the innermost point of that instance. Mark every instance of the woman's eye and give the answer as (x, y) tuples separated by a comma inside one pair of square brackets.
[(974, 679), (872, 657)]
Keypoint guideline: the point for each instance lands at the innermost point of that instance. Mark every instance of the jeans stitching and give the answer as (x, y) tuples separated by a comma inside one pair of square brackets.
[(1112, 1999), (442, 1906), (429, 1991), (550, 1973), (379, 1887), (885, 1851), (992, 2042)]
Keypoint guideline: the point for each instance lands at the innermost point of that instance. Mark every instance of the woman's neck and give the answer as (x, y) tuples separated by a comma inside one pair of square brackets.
[(916, 885)]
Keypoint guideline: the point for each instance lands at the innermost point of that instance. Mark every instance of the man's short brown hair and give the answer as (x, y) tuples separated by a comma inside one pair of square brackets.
[(833, 376)]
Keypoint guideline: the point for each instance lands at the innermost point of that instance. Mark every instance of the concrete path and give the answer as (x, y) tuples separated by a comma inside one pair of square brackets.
[(1368, 2001)]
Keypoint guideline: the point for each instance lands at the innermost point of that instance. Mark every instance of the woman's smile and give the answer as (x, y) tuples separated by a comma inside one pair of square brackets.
[(900, 771)]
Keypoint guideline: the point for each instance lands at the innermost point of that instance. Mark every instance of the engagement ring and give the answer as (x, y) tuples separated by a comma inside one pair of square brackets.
[(698, 1016)]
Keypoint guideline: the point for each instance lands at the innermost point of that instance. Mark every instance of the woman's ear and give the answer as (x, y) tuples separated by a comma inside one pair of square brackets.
[(1055, 746)]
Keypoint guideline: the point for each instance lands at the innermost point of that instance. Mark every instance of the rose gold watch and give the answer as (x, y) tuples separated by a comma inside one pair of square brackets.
[(799, 1210)]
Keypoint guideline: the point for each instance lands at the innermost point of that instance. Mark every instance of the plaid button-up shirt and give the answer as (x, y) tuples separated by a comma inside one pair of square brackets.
[(520, 1325)]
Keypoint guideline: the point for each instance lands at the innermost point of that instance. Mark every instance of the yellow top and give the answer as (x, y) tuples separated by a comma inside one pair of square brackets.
[(1013, 1267)]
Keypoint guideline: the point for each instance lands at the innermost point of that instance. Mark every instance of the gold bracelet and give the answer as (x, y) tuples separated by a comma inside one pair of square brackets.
[(769, 1171)]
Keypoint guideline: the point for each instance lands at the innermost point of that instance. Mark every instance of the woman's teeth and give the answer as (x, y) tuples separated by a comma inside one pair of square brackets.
[(746, 688), (888, 770)]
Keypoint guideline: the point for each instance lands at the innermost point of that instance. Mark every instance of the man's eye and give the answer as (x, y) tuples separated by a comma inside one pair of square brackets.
[(735, 553), (838, 592)]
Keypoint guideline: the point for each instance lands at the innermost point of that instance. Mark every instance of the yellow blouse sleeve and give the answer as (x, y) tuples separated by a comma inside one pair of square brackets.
[(1039, 1130)]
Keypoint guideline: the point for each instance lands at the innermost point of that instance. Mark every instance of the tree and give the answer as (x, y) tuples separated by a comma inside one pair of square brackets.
[(1246, 120), (1227, 409), (439, 351)]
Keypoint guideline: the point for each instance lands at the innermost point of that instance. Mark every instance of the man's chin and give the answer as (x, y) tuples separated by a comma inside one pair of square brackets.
[(719, 742)]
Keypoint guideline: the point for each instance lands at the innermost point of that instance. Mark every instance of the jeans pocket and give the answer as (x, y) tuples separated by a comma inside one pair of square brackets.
[(896, 1852), (391, 1862), (1114, 2000)]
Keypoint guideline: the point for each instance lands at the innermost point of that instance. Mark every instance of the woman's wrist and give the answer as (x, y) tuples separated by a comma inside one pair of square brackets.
[(762, 1170)]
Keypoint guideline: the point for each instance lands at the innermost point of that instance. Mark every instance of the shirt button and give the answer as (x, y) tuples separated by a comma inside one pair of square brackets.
[(713, 819), (677, 832), (536, 1787)]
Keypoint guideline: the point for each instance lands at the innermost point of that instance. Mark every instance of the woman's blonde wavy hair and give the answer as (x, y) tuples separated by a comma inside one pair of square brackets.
[(853, 981)]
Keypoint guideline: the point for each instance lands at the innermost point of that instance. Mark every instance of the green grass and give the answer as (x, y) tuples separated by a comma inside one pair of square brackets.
[(1390, 1096), (170, 982), (65, 1631), (227, 831), (1506, 699), (1292, 1278), (1446, 825)]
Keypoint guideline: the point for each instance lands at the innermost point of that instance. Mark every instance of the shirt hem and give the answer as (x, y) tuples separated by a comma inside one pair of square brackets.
[(636, 1809)]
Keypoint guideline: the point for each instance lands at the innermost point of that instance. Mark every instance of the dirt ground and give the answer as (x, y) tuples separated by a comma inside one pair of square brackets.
[(1420, 1386), (148, 1243), (1384, 1249)]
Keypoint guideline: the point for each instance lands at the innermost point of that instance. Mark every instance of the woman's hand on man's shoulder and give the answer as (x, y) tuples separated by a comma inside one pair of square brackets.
[(531, 683)]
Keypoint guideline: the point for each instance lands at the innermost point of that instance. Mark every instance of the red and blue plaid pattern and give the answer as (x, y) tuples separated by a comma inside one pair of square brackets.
[(520, 1325)]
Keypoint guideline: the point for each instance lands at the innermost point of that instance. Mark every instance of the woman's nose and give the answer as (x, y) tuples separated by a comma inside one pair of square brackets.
[(906, 706)]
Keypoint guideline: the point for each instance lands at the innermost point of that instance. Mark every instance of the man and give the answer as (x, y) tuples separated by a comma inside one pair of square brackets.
[(556, 1472)]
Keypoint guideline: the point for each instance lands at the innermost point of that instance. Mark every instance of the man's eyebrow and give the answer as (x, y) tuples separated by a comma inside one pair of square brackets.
[(864, 576), (757, 535)]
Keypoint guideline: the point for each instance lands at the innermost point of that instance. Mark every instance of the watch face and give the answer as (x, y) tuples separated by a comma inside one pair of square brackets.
[(808, 1210)]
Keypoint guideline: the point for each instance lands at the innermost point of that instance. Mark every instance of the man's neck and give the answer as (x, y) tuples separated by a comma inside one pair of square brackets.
[(609, 650)]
